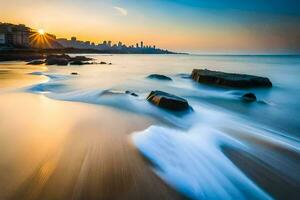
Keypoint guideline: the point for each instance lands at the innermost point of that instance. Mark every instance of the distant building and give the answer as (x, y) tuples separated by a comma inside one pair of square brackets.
[(114, 46), (21, 38), (142, 44), (14, 35), (73, 39), (2, 38), (137, 45)]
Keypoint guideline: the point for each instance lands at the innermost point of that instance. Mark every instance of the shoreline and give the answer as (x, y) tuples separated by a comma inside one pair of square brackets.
[(96, 160), (38, 54), (55, 145), (94, 149)]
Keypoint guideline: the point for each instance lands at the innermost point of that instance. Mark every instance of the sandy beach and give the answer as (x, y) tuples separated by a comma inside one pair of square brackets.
[(61, 150), (58, 150)]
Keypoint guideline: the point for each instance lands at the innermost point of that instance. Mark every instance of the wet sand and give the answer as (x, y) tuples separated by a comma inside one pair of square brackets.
[(272, 166), (65, 150), (14, 75)]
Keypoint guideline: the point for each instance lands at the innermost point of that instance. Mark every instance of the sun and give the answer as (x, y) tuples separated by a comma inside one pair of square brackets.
[(41, 31)]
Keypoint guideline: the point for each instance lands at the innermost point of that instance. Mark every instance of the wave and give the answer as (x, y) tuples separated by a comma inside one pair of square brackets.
[(195, 161)]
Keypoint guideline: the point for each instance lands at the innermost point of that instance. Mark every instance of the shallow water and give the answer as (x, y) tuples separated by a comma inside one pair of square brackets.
[(225, 149)]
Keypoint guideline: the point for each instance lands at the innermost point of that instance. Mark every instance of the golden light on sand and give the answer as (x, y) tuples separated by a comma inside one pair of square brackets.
[(41, 31)]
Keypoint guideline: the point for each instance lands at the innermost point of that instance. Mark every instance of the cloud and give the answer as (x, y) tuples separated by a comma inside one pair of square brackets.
[(121, 11)]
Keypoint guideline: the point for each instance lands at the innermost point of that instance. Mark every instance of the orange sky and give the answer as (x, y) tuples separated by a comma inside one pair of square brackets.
[(108, 21)]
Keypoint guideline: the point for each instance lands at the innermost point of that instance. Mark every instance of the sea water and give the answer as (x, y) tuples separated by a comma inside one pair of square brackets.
[(226, 148)]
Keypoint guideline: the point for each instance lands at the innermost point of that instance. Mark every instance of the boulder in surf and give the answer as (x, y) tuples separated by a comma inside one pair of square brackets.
[(229, 79), (168, 101)]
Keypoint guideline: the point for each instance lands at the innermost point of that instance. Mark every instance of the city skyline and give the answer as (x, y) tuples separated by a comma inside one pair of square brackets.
[(227, 26), (104, 43), (20, 36)]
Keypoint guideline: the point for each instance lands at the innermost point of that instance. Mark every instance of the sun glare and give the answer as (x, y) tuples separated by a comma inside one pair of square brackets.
[(41, 31)]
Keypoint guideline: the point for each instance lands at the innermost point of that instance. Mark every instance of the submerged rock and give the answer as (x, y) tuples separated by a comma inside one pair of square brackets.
[(74, 73), (184, 76), (229, 79), (159, 77), (36, 62), (57, 61), (63, 59), (131, 93), (102, 63), (249, 97), (58, 56), (78, 62), (80, 59), (168, 101)]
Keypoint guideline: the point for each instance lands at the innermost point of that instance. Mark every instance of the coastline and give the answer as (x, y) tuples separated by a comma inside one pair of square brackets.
[(37, 54), (22, 54)]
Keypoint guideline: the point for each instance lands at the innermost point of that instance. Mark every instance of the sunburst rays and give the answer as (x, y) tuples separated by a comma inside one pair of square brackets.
[(40, 39)]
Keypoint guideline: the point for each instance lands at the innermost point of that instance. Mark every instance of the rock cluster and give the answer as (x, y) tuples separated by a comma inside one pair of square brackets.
[(64, 60)]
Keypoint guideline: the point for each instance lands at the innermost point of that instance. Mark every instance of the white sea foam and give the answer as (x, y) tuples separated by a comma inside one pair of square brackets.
[(192, 161)]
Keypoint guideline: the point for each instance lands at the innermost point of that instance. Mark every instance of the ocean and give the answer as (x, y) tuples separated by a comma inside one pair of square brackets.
[(225, 149)]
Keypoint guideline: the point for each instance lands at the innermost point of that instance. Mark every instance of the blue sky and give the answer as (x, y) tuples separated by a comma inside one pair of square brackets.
[(185, 25)]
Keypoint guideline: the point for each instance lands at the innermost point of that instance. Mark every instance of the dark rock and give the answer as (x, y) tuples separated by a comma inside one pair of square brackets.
[(77, 62), (80, 58), (131, 93), (159, 77), (102, 63), (54, 59), (74, 73), (229, 79), (249, 97), (112, 93), (36, 62), (58, 56), (109, 63), (63, 59), (168, 101), (57, 61)]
